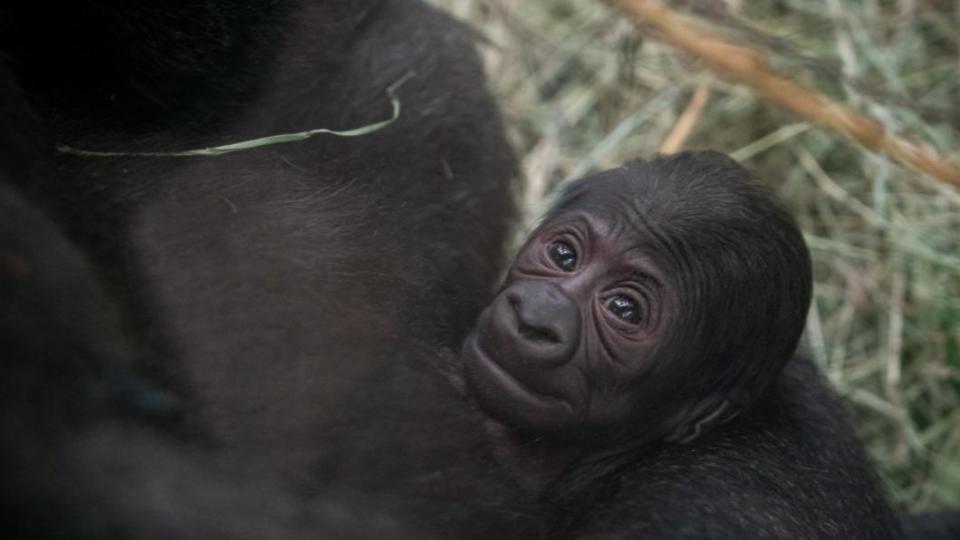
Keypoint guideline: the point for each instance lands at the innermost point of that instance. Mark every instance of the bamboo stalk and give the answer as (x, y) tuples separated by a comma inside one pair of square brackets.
[(751, 68), (684, 127)]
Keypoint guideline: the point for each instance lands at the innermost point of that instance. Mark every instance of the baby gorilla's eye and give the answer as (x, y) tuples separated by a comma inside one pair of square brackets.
[(563, 255), (625, 308)]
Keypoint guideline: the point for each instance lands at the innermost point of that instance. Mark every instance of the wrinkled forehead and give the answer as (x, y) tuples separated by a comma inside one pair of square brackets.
[(615, 202)]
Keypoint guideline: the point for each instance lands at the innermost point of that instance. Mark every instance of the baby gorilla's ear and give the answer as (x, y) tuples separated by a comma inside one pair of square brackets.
[(701, 417)]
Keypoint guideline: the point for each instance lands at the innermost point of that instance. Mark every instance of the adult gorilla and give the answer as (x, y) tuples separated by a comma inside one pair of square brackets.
[(249, 304)]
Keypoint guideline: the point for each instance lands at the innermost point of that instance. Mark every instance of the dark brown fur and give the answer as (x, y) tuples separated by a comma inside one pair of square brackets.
[(269, 303)]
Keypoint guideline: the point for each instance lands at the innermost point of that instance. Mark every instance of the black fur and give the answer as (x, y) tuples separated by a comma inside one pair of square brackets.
[(790, 467), (200, 346)]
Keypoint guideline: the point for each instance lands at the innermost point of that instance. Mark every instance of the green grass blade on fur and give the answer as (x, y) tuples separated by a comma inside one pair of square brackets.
[(250, 144)]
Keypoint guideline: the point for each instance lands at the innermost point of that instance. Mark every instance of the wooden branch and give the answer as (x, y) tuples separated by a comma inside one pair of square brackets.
[(751, 68)]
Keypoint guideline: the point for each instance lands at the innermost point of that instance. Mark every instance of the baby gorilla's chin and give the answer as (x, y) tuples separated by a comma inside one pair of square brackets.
[(507, 399)]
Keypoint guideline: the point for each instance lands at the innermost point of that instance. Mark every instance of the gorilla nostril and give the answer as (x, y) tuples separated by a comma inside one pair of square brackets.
[(528, 331), (538, 334)]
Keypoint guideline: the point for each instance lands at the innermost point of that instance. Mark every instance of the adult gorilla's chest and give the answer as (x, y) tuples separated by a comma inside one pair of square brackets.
[(280, 283)]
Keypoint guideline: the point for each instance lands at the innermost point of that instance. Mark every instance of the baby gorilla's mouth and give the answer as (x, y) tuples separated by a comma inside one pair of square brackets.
[(538, 334), (503, 393), (507, 379)]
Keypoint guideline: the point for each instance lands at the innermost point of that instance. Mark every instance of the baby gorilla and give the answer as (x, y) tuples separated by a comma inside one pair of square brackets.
[(655, 301), (636, 370)]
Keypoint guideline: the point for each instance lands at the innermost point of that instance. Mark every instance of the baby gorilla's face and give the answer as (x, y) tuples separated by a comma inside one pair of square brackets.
[(657, 300), (565, 344)]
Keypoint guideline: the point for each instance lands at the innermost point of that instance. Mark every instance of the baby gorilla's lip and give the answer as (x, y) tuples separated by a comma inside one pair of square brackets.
[(486, 368)]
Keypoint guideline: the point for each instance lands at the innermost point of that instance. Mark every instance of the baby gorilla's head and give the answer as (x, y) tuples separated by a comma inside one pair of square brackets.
[(655, 300)]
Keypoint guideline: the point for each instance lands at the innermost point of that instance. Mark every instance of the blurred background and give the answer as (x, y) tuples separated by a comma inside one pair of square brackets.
[(583, 89)]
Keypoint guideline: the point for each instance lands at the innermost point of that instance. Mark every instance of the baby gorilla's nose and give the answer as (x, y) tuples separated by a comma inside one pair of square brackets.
[(547, 322)]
